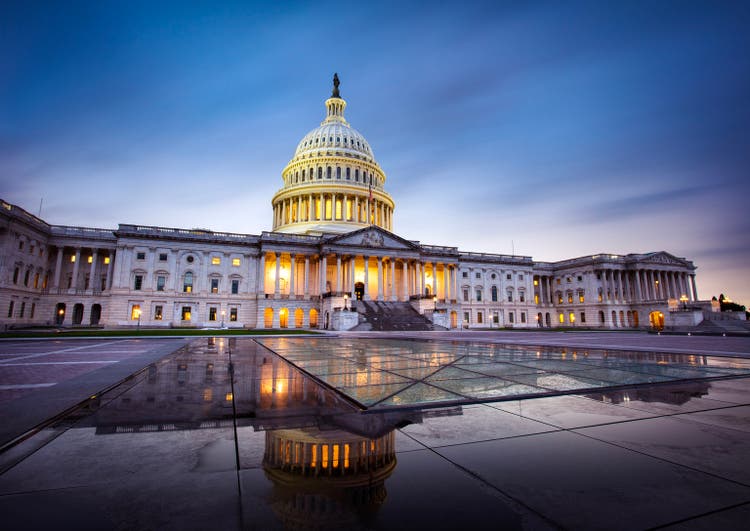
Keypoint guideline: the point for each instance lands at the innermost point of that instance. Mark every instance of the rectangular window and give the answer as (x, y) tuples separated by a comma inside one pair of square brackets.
[(580, 296), (572, 317), (212, 313), (479, 295), (466, 317), (583, 317), (233, 314), (186, 313), (479, 317), (214, 285), (89, 259), (510, 296), (522, 296), (520, 277), (466, 295), (215, 260), (140, 256), (496, 317), (523, 317), (511, 317), (465, 274), (236, 262), (161, 281), (579, 278), (562, 318), (494, 294), (162, 257), (138, 284), (106, 260), (559, 298), (478, 275), (157, 313), (72, 258), (10, 309), (33, 307), (570, 298), (507, 277), (135, 312), (23, 309), (235, 287)]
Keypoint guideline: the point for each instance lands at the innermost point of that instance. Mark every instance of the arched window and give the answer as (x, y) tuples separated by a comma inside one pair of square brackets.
[(328, 172), (320, 172), (303, 175), (348, 174), (494, 293), (356, 175), (338, 172)]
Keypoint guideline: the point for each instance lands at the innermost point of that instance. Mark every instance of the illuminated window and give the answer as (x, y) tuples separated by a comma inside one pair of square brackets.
[(214, 285), (186, 313), (570, 298), (212, 313), (138, 282), (236, 262), (235, 287), (581, 298), (558, 281), (161, 281), (106, 260), (135, 312), (480, 316), (157, 313), (233, 314), (72, 258), (140, 256), (562, 318), (187, 285), (572, 317), (536, 282), (89, 259), (559, 298), (215, 260)]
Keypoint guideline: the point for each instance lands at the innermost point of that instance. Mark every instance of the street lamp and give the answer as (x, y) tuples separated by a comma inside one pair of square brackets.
[(684, 299), (346, 302), (223, 313)]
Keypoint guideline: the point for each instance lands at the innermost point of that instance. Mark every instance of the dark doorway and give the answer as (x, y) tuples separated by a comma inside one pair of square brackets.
[(359, 290), (78, 314), (96, 314)]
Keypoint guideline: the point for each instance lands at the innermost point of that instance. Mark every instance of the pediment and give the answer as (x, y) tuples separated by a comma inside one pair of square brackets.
[(373, 237), (663, 258)]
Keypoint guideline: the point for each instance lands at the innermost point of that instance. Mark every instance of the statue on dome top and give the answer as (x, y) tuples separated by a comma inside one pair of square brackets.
[(336, 82)]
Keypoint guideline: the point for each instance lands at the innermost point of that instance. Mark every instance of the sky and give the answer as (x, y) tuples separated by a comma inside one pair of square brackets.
[(547, 129)]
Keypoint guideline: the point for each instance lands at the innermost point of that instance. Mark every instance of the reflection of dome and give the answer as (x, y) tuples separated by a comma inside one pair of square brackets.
[(333, 183), (327, 479)]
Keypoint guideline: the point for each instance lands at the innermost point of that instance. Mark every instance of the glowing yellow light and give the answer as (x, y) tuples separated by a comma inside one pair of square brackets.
[(106, 260), (215, 260), (208, 394), (235, 262), (229, 397), (90, 259), (73, 258)]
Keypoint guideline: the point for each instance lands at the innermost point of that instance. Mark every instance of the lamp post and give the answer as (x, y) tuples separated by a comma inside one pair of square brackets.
[(346, 302), (223, 313)]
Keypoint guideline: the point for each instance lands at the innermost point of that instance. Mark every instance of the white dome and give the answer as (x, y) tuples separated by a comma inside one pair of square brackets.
[(334, 138)]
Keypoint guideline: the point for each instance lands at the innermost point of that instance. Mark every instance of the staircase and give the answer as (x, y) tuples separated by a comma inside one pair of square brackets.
[(390, 316)]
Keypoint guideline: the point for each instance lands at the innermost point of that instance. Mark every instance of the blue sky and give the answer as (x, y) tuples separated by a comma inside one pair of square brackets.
[(565, 128)]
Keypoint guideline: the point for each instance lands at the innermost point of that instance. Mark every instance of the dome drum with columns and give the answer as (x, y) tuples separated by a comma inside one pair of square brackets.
[(333, 183)]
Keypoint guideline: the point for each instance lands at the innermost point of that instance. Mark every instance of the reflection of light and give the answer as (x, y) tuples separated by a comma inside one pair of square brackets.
[(229, 397), (346, 455), (208, 394), (280, 386)]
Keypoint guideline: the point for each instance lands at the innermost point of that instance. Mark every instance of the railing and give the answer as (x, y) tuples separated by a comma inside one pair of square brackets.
[(88, 232), (491, 256), (147, 230)]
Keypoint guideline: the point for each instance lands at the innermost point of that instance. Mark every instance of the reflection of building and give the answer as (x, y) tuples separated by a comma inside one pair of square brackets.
[(332, 223), (662, 394)]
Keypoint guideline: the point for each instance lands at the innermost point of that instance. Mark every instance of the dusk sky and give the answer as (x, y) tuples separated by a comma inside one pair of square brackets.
[(565, 128)]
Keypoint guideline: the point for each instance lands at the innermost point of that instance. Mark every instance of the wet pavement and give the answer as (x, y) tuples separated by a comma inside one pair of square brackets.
[(225, 433)]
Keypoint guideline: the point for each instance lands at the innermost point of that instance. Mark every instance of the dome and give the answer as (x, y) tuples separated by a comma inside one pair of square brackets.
[(335, 137)]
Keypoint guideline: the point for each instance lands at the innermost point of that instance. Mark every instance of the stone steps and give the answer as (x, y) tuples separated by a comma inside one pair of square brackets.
[(390, 316)]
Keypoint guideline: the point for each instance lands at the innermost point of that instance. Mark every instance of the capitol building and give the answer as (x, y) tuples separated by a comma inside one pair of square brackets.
[(332, 259)]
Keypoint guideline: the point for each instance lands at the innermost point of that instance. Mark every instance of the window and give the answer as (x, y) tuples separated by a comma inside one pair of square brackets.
[(570, 298), (187, 285), (233, 314), (466, 317), (496, 317), (599, 295), (161, 281), (507, 277), (479, 295), (36, 280), (33, 307), (236, 262), (215, 260), (135, 312), (16, 271), (10, 309), (72, 258), (562, 318), (559, 298), (583, 317), (579, 278), (89, 259), (138, 282), (492, 276), (511, 317), (212, 313), (520, 277), (466, 295), (214, 285), (510, 296), (328, 172), (140, 256), (162, 257), (478, 275), (190, 259), (106, 260), (558, 281), (186, 313), (338, 172), (235, 287), (479, 317), (494, 293), (26, 278), (568, 280), (157, 313), (581, 298), (521, 296), (20, 245), (465, 274), (348, 172), (572, 317), (523, 317)]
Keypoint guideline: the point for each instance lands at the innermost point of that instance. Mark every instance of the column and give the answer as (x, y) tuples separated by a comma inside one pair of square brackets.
[(638, 293), (92, 271), (434, 280), (76, 265), (380, 278), (394, 296), (446, 284), (405, 280), (356, 209), (421, 277), (366, 295), (694, 290), (626, 278), (322, 211), (277, 285), (351, 277), (338, 273), (283, 212), (292, 272), (683, 281), (456, 294), (108, 281), (307, 276), (323, 267), (262, 274), (382, 222), (58, 268)]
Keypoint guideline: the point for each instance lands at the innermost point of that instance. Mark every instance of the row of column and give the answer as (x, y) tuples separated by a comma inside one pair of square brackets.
[(332, 207), (543, 289), (414, 277), (93, 268)]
